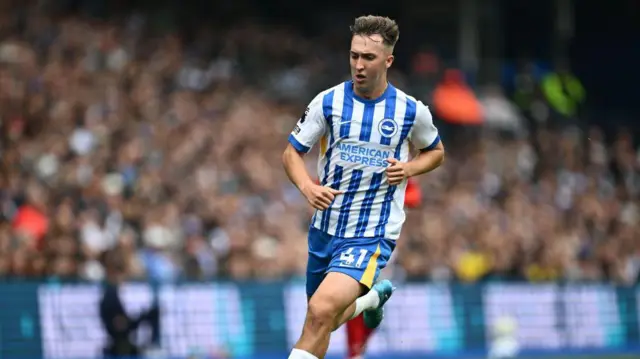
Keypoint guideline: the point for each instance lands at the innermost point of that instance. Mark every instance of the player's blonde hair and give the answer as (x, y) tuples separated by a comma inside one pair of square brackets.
[(370, 25)]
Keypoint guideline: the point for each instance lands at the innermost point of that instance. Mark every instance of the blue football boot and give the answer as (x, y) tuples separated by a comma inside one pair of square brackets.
[(373, 317)]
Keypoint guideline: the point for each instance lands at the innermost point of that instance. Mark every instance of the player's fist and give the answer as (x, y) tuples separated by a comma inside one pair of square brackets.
[(320, 197), (396, 172)]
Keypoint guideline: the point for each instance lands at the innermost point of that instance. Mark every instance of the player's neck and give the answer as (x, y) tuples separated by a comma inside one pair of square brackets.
[(378, 91)]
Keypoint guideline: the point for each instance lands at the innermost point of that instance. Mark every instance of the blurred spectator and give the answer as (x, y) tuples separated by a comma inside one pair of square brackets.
[(454, 101), (564, 92), (499, 113), (117, 323), (528, 95)]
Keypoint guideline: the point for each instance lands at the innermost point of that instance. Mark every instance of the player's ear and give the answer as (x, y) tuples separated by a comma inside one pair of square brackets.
[(389, 61)]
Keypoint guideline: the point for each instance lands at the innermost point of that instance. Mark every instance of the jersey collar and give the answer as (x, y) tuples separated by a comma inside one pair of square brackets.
[(349, 89)]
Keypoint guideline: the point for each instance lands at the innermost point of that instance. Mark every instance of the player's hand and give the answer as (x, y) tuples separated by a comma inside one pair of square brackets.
[(320, 197), (396, 172)]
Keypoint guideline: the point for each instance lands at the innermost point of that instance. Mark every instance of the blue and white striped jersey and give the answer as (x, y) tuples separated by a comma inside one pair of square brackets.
[(356, 137)]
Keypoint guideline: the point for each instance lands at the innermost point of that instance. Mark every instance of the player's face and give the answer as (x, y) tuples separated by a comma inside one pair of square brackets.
[(370, 59)]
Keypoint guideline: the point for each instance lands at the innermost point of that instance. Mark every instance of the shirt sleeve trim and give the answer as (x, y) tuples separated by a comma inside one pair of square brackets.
[(297, 145), (432, 145)]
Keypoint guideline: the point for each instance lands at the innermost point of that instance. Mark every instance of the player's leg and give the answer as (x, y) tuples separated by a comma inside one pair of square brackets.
[(374, 298), (362, 259), (320, 254), (317, 266), (358, 333), (336, 302), (336, 293), (338, 298)]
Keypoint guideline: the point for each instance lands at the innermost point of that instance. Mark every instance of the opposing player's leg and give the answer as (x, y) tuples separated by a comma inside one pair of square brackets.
[(357, 337)]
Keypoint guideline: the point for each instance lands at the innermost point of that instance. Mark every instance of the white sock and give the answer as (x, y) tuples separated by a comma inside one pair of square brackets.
[(367, 301), (301, 354)]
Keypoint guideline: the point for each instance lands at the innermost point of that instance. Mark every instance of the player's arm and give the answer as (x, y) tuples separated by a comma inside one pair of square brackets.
[(311, 126), (424, 136), (294, 166)]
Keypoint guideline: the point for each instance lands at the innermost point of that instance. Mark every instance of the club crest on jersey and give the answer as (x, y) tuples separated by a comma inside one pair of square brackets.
[(387, 128)]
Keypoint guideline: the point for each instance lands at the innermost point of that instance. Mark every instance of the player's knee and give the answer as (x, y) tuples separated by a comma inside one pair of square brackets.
[(321, 314)]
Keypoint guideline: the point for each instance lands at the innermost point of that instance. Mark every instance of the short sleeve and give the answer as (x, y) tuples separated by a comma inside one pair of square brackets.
[(424, 134), (310, 127)]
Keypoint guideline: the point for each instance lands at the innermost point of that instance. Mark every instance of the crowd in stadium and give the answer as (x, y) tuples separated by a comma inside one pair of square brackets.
[(167, 154)]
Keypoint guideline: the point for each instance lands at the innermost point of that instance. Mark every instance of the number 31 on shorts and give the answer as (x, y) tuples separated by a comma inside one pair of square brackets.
[(347, 258)]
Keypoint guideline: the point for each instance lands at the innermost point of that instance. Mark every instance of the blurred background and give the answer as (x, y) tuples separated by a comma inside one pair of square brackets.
[(144, 210)]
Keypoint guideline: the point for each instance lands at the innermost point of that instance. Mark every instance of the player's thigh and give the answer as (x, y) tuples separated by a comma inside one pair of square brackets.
[(318, 260), (336, 292), (361, 258)]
